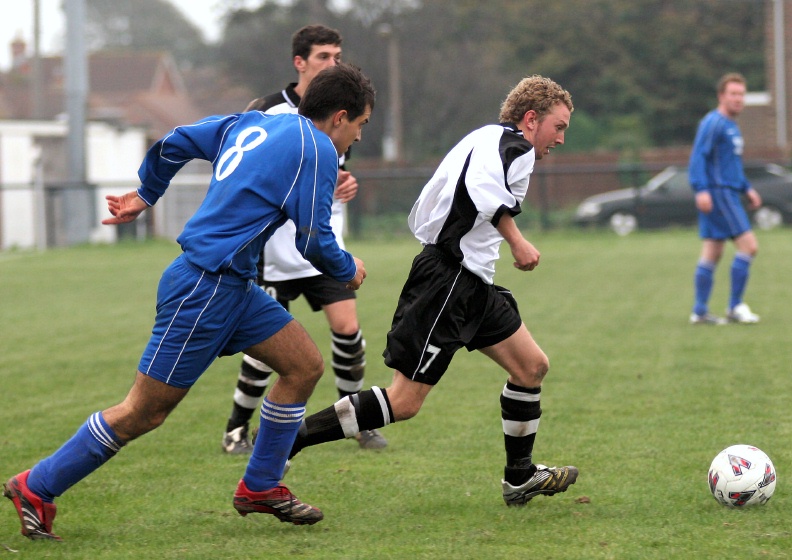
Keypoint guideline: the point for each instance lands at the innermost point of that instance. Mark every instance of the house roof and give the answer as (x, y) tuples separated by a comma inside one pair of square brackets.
[(124, 72), (134, 88)]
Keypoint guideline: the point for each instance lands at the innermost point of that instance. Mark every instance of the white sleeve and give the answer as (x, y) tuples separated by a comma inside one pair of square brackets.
[(492, 191)]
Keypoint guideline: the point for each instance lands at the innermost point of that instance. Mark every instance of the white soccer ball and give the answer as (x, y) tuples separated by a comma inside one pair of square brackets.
[(742, 475)]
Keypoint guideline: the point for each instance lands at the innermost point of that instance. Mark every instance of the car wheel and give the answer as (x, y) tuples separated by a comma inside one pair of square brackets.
[(623, 223), (768, 217)]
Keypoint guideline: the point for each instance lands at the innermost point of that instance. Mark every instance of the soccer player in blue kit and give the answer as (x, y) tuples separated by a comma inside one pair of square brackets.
[(717, 177), (266, 168)]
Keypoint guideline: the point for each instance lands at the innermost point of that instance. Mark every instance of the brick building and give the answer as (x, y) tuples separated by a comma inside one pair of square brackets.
[(760, 120)]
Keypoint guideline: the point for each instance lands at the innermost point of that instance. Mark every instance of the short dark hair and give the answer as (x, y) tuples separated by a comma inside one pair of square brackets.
[(306, 37), (337, 88)]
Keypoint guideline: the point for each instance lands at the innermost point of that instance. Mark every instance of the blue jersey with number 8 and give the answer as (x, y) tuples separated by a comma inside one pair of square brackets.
[(266, 168)]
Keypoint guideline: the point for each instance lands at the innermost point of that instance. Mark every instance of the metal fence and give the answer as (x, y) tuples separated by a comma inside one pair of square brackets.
[(386, 195), (384, 199)]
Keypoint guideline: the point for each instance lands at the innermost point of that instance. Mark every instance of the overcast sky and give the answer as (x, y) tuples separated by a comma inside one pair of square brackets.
[(16, 19)]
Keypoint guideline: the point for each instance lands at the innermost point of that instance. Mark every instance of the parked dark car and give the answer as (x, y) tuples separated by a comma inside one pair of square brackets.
[(668, 200)]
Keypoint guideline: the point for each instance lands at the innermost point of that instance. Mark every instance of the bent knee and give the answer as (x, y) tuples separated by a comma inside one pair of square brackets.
[(315, 370), (405, 411), (403, 407), (541, 368), (130, 423), (347, 326), (750, 249), (154, 421), (310, 369), (533, 372), (314, 367), (748, 244)]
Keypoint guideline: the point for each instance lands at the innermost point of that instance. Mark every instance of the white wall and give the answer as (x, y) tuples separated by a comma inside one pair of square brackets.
[(113, 156)]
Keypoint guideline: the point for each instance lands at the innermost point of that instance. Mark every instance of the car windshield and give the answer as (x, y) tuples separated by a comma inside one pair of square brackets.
[(670, 176)]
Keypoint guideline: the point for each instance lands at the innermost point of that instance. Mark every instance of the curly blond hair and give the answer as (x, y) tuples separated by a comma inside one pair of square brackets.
[(534, 93)]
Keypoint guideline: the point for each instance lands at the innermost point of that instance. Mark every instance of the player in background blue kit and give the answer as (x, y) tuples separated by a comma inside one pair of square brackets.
[(266, 168), (717, 177)]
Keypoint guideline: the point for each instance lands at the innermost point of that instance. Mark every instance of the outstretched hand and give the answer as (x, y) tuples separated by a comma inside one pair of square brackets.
[(124, 208)]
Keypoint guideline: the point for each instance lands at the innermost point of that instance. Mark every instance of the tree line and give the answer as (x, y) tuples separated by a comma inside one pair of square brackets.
[(641, 72)]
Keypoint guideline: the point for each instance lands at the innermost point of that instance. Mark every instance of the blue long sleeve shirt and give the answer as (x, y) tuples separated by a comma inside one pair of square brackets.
[(716, 157), (266, 168)]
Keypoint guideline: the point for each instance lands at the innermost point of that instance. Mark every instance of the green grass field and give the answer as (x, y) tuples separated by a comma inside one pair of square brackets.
[(637, 398)]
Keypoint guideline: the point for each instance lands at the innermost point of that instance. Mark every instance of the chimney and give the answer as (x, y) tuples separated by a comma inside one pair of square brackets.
[(18, 55)]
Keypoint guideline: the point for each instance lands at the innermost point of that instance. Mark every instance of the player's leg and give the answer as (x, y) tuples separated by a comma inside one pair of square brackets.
[(432, 287), (406, 396), (347, 345), (711, 252), (427, 295), (349, 359), (527, 365), (171, 367), (252, 382), (145, 407), (295, 357), (367, 410), (746, 246)]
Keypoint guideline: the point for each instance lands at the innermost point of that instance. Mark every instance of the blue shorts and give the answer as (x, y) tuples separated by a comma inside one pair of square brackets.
[(728, 218), (201, 316)]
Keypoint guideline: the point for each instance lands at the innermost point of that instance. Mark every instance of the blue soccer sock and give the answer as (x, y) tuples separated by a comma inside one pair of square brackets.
[(277, 432), (703, 280), (740, 270), (91, 447)]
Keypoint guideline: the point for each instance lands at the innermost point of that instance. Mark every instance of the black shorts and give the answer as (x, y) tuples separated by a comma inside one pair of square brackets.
[(442, 307), (319, 290)]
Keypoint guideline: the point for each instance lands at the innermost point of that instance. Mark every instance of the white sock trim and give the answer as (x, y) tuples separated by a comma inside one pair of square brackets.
[(245, 401), (383, 404), (347, 417), (520, 429)]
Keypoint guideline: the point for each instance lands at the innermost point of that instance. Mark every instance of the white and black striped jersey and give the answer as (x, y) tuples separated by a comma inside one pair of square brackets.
[(484, 176), (282, 261)]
